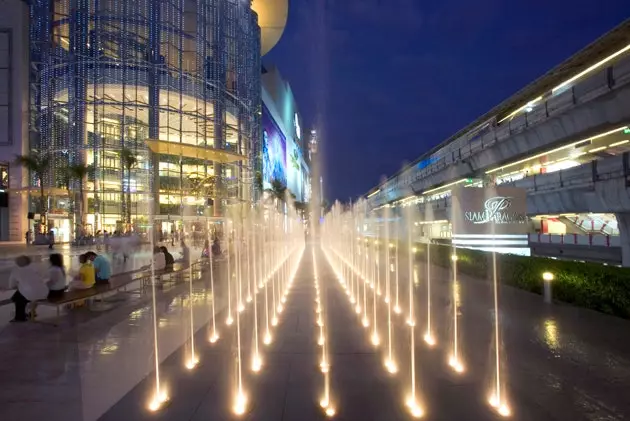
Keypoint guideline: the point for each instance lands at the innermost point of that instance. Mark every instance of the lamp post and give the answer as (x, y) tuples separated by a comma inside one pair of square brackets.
[(547, 278)]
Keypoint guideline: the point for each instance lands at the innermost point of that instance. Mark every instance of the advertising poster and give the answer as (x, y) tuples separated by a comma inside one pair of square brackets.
[(294, 170), (274, 151)]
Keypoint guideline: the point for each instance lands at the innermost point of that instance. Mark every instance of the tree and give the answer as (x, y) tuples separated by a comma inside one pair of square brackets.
[(301, 208), (278, 190), (129, 160), (258, 181), (79, 172), (38, 165)]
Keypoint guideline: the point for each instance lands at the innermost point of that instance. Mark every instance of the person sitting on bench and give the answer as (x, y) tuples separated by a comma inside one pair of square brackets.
[(86, 278), (102, 267), (56, 276), (29, 284), (169, 260), (159, 260)]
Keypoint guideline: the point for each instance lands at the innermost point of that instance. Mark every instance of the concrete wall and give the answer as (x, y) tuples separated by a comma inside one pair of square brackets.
[(14, 130)]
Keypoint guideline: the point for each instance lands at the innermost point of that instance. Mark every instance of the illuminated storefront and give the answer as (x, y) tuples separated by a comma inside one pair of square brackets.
[(161, 98)]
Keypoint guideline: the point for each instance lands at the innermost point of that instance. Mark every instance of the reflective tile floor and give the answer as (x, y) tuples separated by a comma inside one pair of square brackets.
[(560, 362)]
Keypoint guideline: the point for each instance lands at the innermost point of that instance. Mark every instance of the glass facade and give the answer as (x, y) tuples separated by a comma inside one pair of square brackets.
[(160, 99)]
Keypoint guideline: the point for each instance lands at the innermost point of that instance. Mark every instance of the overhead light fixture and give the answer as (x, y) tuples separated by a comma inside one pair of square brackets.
[(527, 107), (601, 148), (374, 193), (556, 150), (622, 142), (444, 186), (590, 69)]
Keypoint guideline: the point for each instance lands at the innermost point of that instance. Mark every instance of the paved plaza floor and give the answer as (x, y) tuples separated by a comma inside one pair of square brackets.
[(560, 362)]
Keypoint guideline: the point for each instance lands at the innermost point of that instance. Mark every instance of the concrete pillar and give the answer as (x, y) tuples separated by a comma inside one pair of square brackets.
[(623, 221)]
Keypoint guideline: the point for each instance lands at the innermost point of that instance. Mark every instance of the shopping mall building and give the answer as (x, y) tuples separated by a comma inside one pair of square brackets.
[(161, 100), (284, 142)]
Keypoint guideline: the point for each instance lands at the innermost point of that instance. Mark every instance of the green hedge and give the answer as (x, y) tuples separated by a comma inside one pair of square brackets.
[(590, 285)]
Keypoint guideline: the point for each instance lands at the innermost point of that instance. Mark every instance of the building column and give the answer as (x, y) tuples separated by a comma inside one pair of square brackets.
[(623, 221)]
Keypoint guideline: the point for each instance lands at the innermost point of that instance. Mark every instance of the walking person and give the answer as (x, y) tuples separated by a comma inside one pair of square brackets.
[(29, 287), (51, 239)]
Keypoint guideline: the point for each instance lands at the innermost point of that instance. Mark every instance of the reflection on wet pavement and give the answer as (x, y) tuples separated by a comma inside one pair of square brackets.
[(562, 363)]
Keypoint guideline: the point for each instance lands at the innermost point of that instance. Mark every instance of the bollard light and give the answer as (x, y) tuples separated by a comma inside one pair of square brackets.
[(547, 278)]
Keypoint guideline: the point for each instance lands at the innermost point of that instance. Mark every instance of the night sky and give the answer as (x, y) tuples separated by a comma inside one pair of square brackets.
[(385, 80)]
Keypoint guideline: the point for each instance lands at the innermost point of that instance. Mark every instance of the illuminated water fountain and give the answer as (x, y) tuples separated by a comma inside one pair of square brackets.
[(390, 363), (455, 358)]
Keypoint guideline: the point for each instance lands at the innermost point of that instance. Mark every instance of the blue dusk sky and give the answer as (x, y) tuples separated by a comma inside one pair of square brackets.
[(385, 80)]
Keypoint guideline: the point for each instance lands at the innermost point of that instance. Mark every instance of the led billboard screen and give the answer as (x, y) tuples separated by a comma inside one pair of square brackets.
[(274, 151)]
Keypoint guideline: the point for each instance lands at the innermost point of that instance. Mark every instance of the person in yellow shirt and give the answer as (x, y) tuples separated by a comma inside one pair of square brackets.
[(86, 278)]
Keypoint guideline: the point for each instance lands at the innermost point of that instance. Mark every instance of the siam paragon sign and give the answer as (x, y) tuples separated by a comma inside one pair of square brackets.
[(489, 210), (496, 210)]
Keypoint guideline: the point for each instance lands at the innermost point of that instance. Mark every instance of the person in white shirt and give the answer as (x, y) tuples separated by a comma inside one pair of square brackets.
[(56, 276), (29, 284), (159, 260)]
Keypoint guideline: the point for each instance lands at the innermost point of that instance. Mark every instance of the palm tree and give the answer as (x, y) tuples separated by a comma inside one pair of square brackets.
[(277, 191), (79, 172), (258, 181), (129, 160), (38, 165)]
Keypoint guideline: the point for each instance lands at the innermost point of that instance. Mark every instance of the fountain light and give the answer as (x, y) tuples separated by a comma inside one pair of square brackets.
[(283, 299), (274, 321), (280, 308), (158, 401), (391, 366), (267, 338), (256, 363), (321, 340), (249, 299), (330, 411), (324, 366), (241, 308), (192, 363), (502, 408), (352, 300), (365, 321), (414, 407), (411, 322), (456, 364), (357, 309), (213, 338), (229, 320), (240, 403), (376, 340), (429, 339)]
